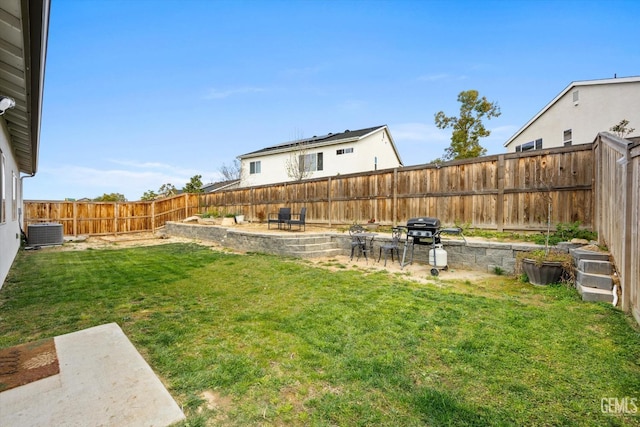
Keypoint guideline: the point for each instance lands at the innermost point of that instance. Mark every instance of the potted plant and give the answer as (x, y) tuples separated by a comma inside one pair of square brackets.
[(544, 266), (239, 218)]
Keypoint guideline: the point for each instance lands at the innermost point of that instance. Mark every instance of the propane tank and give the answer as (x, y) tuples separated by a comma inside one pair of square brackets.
[(438, 257)]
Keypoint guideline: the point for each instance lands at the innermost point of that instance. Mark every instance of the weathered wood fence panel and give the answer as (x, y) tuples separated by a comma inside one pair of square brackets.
[(618, 211), (507, 191), (101, 218)]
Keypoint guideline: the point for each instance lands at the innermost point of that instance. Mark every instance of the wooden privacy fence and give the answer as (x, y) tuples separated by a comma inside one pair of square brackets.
[(100, 218), (617, 218), (502, 192)]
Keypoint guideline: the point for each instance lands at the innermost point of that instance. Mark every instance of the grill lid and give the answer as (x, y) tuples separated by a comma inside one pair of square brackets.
[(423, 222)]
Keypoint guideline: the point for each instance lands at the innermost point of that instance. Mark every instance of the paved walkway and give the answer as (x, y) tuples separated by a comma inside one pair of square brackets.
[(103, 381)]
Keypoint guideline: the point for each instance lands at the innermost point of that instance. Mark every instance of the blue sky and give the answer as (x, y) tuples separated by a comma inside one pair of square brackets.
[(139, 93)]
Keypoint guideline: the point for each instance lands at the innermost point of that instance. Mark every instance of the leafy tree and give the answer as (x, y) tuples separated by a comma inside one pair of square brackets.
[(621, 128), (149, 195), (194, 185), (167, 190), (468, 128), (112, 197), (232, 171)]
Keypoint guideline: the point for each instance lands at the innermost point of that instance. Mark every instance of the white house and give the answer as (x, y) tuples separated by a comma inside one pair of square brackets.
[(580, 111), (347, 152), (24, 28)]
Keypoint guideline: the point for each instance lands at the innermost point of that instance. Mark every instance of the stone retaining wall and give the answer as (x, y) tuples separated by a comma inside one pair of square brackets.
[(469, 255)]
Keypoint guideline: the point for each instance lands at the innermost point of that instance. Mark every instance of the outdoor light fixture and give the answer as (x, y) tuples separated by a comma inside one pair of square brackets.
[(6, 103)]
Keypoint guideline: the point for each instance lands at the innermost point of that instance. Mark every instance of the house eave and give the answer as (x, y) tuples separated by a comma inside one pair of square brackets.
[(289, 149), (24, 27)]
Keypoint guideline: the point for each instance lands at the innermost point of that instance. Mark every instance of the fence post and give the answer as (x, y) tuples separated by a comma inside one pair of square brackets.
[(627, 229), (394, 202), (75, 219), (153, 216), (115, 218), (500, 196), (329, 200)]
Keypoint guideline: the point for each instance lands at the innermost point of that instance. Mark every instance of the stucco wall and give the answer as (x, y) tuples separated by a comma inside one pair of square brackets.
[(9, 230), (598, 109)]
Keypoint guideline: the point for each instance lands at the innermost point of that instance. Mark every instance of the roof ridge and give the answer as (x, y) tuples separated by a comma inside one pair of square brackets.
[(317, 139)]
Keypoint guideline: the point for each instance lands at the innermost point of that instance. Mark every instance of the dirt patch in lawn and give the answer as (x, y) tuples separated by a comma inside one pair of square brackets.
[(122, 241)]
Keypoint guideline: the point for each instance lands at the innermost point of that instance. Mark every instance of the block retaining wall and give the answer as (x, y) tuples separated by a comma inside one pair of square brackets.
[(469, 255)]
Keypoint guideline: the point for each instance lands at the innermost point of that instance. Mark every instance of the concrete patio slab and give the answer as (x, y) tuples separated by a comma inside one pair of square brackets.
[(103, 381)]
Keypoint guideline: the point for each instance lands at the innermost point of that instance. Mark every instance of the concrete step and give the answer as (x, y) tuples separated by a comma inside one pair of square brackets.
[(311, 246), (599, 281), (321, 253), (300, 239), (580, 254), (595, 267), (594, 294)]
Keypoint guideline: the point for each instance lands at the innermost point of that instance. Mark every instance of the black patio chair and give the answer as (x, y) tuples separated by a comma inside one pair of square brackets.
[(300, 222), (393, 245), (281, 218)]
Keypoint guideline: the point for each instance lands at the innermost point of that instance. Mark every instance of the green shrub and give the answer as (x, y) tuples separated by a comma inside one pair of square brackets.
[(210, 214), (564, 233)]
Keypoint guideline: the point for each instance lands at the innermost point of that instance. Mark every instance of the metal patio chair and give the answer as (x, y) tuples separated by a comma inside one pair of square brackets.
[(393, 245), (358, 241)]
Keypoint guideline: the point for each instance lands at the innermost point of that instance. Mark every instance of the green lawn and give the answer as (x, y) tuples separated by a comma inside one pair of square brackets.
[(259, 340)]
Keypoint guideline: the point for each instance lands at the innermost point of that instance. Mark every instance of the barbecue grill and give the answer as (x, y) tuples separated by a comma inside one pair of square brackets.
[(425, 231)]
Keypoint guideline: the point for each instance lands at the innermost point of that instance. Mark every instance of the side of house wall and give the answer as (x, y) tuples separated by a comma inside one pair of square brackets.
[(585, 117), (373, 152), (11, 194)]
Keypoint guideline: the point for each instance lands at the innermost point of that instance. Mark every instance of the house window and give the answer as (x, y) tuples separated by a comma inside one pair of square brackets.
[(531, 145), (576, 96), (566, 137), (344, 151), (254, 167), (14, 197), (311, 162), (3, 193)]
